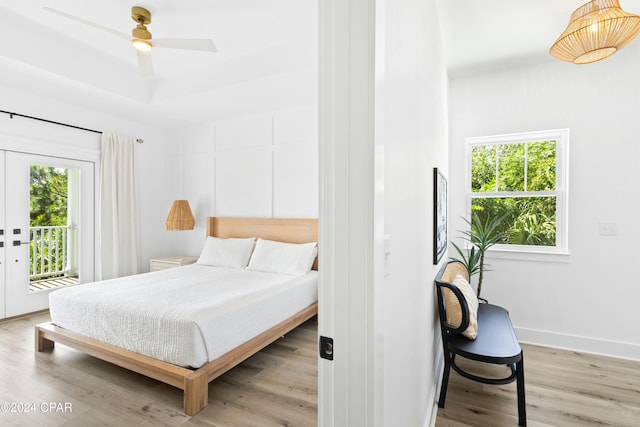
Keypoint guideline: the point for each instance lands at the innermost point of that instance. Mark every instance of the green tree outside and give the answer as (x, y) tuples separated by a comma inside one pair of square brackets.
[(48, 207), (504, 170), (48, 201)]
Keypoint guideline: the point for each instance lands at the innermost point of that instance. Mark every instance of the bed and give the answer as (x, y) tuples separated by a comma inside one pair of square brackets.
[(192, 363)]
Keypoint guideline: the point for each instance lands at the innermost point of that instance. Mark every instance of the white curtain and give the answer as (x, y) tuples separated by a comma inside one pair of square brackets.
[(119, 214)]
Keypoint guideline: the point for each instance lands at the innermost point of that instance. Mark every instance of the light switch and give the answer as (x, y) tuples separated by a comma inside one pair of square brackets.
[(387, 254), (608, 228)]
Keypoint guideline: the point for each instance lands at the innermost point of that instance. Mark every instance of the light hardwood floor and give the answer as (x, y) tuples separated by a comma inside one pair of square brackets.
[(276, 387), (563, 388)]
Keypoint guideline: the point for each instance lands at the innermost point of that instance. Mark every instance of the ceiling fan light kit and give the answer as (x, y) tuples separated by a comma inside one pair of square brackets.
[(141, 35), (597, 30), (141, 45)]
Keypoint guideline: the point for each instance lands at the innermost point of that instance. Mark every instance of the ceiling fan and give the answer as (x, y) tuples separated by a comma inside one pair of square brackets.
[(141, 38)]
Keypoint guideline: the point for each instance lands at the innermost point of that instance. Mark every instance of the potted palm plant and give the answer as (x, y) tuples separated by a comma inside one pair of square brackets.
[(481, 235)]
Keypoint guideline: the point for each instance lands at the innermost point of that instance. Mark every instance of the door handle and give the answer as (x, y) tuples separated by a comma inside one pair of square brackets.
[(18, 243)]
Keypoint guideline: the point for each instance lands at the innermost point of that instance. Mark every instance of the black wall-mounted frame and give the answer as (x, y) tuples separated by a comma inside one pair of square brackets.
[(439, 215)]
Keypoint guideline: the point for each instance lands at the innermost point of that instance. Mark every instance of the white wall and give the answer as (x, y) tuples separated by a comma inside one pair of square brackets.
[(589, 300), (56, 140), (415, 141), (262, 165)]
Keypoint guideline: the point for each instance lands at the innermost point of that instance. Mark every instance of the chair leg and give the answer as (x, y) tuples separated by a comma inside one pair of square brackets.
[(522, 408), (445, 380)]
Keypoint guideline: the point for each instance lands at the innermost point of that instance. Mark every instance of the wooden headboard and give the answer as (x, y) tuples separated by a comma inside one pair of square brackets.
[(290, 230)]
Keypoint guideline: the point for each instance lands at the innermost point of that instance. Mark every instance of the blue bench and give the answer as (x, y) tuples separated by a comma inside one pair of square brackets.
[(496, 341)]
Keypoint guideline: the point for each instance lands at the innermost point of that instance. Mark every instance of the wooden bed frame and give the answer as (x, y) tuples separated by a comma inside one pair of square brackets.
[(195, 382)]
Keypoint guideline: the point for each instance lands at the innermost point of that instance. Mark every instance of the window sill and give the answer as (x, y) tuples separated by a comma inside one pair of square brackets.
[(528, 255)]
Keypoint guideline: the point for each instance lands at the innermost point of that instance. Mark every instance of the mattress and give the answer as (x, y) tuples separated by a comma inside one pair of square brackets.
[(187, 316)]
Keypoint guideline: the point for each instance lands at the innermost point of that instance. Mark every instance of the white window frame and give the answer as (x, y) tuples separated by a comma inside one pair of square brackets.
[(561, 136)]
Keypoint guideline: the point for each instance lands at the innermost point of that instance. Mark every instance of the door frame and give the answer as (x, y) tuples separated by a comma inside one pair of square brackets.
[(351, 221), (4, 239)]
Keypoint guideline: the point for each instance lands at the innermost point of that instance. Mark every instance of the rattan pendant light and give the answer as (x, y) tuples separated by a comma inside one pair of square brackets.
[(596, 31), (180, 216)]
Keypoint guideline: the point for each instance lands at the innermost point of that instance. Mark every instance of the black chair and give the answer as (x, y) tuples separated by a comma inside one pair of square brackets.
[(496, 342)]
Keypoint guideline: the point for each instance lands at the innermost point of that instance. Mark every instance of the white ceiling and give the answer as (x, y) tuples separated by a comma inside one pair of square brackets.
[(270, 44), (486, 35), (257, 40)]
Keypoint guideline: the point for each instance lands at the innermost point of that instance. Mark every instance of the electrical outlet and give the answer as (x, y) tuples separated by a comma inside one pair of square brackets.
[(607, 228)]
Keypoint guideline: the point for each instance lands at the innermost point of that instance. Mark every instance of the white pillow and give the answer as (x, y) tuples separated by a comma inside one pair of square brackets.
[(454, 311), (280, 257), (232, 252)]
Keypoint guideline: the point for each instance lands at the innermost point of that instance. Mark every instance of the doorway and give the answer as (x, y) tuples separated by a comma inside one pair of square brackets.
[(46, 228)]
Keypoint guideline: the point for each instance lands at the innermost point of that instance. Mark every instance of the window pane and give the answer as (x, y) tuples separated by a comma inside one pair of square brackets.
[(48, 196), (541, 166), (527, 220), (53, 231), (483, 168), (511, 167)]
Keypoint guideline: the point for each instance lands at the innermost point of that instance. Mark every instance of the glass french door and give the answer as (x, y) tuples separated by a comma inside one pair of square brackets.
[(47, 228)]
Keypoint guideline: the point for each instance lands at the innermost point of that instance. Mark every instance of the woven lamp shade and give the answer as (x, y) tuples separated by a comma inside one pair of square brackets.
[(180, 216), (596, 30)]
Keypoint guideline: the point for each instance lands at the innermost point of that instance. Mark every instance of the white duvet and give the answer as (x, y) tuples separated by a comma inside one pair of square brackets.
[(187, 316)]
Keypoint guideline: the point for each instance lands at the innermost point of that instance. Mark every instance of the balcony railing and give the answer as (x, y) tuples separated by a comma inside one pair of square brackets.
[(51, 254)]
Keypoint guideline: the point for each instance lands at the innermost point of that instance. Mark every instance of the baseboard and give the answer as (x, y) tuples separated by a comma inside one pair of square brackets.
[(437, 381), (431, 422), (622, 350), (24, 315)]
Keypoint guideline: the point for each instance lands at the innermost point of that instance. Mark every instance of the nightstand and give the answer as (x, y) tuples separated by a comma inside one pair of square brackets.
[(156, 264)]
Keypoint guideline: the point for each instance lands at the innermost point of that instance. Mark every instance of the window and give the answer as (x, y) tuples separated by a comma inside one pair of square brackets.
[(523, 179)]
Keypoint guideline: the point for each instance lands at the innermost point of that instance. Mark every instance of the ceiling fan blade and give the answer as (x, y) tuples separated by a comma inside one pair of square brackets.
[(145, 65), (92, 24), (204, 45)]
